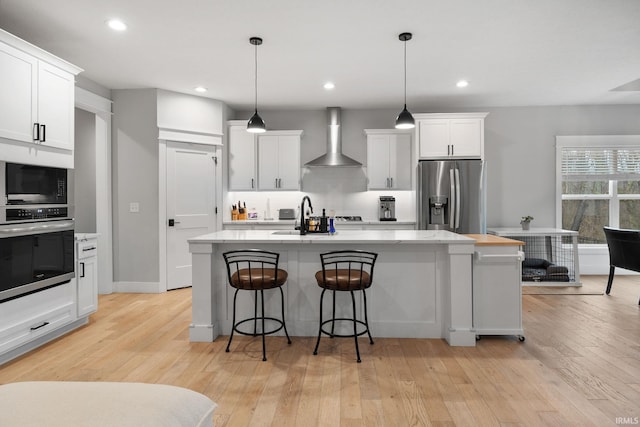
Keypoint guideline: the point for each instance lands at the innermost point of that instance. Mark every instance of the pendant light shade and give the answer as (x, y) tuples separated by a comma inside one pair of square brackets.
[(255, 123), (405, 119)]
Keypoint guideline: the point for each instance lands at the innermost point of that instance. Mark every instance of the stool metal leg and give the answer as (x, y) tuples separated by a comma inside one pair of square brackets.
[(333, 315), (283, 322), (264, 345), (255, 314), (355, 328), (366, 317), (315, 351), (233, 322)]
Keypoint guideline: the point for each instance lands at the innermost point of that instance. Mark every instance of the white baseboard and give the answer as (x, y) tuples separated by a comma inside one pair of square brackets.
[(138, 287)]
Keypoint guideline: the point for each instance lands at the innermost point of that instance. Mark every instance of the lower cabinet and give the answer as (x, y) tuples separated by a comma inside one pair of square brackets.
[(33, 316), (86, 276), (497, 293)]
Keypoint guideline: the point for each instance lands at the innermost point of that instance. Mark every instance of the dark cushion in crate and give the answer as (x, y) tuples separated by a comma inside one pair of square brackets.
[(541, 270)]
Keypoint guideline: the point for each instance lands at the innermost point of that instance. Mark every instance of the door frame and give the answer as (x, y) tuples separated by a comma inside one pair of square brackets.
[(101, 107), (166, 135)]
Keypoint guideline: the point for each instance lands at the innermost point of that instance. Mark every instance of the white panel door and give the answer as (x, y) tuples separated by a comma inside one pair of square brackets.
[(378, 162), (400, 162), (56, 106), (190, 205), (289, 162), (434, 138), (17, 94), (242, 159), (268, 162)]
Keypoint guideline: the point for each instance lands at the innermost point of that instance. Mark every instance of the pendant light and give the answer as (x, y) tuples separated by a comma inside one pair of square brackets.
[(405, 119), (256, 124)]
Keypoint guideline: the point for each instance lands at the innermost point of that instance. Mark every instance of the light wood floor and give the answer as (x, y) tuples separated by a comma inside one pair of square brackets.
[(579, 365)]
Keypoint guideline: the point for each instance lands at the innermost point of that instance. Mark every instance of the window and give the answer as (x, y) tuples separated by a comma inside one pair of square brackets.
[(599, 184)]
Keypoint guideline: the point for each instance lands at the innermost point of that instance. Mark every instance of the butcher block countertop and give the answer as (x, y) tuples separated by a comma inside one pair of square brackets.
[(493, 240)]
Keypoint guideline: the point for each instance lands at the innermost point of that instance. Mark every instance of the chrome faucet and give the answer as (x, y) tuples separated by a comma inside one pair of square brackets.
[(303, 229)]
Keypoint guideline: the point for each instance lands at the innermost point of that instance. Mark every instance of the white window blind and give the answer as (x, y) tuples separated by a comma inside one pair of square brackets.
[(593, 163)]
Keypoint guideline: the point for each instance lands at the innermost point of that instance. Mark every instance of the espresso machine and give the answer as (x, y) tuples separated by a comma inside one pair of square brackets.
[(387, 208)]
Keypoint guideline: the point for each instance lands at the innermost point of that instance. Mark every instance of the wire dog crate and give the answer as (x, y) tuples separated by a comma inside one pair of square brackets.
[(551, 255)]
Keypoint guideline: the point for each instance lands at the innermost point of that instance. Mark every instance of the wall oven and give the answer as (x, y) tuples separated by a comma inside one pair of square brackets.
[(36, 229), (35, 256)]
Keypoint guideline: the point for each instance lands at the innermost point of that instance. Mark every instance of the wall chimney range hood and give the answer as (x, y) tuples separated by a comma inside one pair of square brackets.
[(334, 157)]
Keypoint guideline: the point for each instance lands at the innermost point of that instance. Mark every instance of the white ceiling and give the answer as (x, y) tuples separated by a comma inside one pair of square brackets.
[(513, 52)]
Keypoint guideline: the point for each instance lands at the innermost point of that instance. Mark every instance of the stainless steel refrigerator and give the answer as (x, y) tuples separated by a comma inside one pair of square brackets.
[(452, 196)]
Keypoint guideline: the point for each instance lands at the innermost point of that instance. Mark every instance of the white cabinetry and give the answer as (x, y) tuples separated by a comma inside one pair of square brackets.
[(497, 294), (86, 275), (388, 159), (269, 161), (242, 157), (36, 96), (459, 135), (35, 317), (279, 160)]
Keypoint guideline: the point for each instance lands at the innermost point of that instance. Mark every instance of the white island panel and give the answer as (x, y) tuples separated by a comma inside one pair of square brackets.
[(410, 297)]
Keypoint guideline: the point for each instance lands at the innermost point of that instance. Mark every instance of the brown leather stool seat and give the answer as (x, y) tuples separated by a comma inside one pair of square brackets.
[(350, 270), (255, 270)]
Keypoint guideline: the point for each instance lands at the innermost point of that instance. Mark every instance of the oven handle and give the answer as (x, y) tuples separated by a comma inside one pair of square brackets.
[(9, 230)]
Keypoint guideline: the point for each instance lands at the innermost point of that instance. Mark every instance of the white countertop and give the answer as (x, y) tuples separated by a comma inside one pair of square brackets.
[(337, 223), (341, 236), (86, 236)]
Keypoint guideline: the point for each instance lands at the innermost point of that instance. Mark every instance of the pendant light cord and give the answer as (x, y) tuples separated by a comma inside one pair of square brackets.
[(256, 78), (405, 74)]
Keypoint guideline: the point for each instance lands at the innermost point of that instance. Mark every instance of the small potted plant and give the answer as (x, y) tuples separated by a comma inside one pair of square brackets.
[(526, 221)]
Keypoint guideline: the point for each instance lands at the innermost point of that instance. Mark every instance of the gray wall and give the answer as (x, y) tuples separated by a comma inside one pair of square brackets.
[(519, 147), (135, 179), (85, 171)]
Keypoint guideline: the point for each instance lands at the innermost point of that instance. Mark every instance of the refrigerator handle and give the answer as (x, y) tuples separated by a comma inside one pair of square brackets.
[(453, 202), (457, 198)]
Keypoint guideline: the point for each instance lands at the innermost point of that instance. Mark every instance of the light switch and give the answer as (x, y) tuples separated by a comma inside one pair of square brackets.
[(134, 207)]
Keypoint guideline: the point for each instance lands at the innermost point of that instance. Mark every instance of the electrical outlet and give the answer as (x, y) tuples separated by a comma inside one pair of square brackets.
[(134, 207)]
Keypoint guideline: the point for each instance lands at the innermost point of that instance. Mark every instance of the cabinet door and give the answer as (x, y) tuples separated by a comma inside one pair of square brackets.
[(55, 106), (466, 137), (378, 162), (268, 162), (289, 162), (242, 160), (87, 286), (17, 94), (400, 162), (434, 138)]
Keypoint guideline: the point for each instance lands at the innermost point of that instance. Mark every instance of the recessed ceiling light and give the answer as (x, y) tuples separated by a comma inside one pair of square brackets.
[(200, 89), (117, 25), (329, 85), (462, 83)]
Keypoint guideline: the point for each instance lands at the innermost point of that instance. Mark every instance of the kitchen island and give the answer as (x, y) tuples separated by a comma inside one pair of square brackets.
[(422, 285)]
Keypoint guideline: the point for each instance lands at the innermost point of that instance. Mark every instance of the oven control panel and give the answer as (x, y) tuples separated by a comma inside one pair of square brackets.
[(25, 214)]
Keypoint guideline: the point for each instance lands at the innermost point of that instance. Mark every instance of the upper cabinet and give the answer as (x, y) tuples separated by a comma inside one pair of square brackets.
[(242, 157), (388, 159), (36, 95), (457, 135), (36, 103), (269, 161), (279, 160)]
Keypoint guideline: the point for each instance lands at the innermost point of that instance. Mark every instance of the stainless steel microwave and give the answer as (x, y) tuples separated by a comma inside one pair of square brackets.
[(23, 184)]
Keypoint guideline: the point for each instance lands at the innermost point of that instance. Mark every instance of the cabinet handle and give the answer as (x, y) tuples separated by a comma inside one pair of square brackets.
[(279, 182), (82, 265), (452, 150), (44, 133), (391, 180), (252, 183), (33, 328), (36, 131)]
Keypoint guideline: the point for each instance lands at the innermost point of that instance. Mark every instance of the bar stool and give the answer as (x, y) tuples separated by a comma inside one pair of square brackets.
[(255, 270), (348, 270)]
